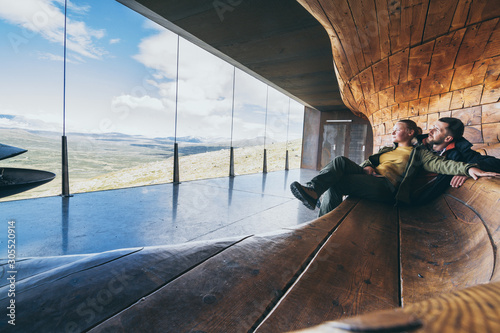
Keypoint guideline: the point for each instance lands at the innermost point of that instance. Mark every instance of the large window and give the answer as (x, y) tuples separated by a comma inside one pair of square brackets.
[(132, 89)]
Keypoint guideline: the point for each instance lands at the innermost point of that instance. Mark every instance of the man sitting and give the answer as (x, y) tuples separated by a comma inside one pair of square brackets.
[(446, 139), (387, 176)]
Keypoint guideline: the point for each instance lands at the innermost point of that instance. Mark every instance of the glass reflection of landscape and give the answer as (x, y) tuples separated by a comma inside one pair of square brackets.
[(121, 72)]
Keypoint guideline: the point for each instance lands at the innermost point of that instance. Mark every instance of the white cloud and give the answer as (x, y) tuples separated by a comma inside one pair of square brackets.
[(40, 120), (44, 18), (133, 102), (205, 88), (114, 41), (58, 57)]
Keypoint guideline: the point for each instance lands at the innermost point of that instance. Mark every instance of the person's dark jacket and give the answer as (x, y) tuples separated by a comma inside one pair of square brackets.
[(420, 159), (461, 151)]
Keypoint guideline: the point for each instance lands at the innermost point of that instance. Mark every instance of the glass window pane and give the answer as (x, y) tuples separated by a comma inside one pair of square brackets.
[(31, 89), (204, 113), (249, 124), (120, 94)]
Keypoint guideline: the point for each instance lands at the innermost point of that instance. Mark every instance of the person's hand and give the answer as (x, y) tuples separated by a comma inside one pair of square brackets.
[(370, 171), (476, 173), (458, 181)]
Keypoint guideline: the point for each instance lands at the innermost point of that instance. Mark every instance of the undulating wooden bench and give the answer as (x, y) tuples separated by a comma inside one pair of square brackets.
[(433, 268)]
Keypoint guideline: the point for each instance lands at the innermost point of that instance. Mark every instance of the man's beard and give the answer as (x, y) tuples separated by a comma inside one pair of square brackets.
[(433, 141)]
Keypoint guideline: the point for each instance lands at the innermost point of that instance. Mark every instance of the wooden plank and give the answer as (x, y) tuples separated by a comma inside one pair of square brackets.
[(473, 134), (443, 114), (340, 16), (377, 117), (475, 41), (348, 98), (459, 98), (445, 47), (38, 271), (402, 110), (421, 122), (231, 291), (473, 309), (383, 28), (491, 113), (372, 103), (314, 7), (381, 75), (366, 80), (386, 114), (406, 24), (493, 71), (432, 118), (398, 64), (468, 116), (355, 272), (356, 89), (470, 75), (386, 97), (444, 247), (418, 16), (440, 103), (407, 91), (341, 60), (436, 83), (365, 18), (491, 132), (420, 59), (483, 195), (491, 92), (388, 125), (413, 108), (33, 266), (461, 13), (439, 18), (395, 113), (78, 296), (419, 106), (493, 47), (492, 150), (483, 10), (394, 9)]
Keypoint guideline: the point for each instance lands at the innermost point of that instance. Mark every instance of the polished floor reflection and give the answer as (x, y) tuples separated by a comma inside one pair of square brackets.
[(156, 215)]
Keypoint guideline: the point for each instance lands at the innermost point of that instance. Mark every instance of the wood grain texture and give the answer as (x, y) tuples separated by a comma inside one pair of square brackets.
[(78, 295), (474, 309), (445, 50), (355, 272), (229, 292), (444, 246), (483, 196)]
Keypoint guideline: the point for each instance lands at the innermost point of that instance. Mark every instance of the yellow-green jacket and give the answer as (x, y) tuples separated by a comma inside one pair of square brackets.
[(420, 158)]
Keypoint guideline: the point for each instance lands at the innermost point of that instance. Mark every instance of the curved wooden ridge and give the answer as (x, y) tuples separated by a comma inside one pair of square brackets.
[(471, 310), (361, 258), (418, 59)]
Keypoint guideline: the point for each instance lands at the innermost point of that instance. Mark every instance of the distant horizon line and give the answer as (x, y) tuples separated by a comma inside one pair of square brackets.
[(184, 139)]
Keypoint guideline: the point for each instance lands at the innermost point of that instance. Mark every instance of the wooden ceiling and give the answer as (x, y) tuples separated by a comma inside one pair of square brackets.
[(417, 59), (277, 41)]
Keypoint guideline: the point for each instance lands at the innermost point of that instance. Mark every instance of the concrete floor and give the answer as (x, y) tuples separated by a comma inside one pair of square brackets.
[(155, 215)]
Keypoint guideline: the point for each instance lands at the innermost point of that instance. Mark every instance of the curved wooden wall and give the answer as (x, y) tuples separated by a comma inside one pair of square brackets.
[(417, 59)]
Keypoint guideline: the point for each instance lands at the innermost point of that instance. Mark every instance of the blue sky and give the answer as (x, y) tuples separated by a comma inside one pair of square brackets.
[(121, 71)]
